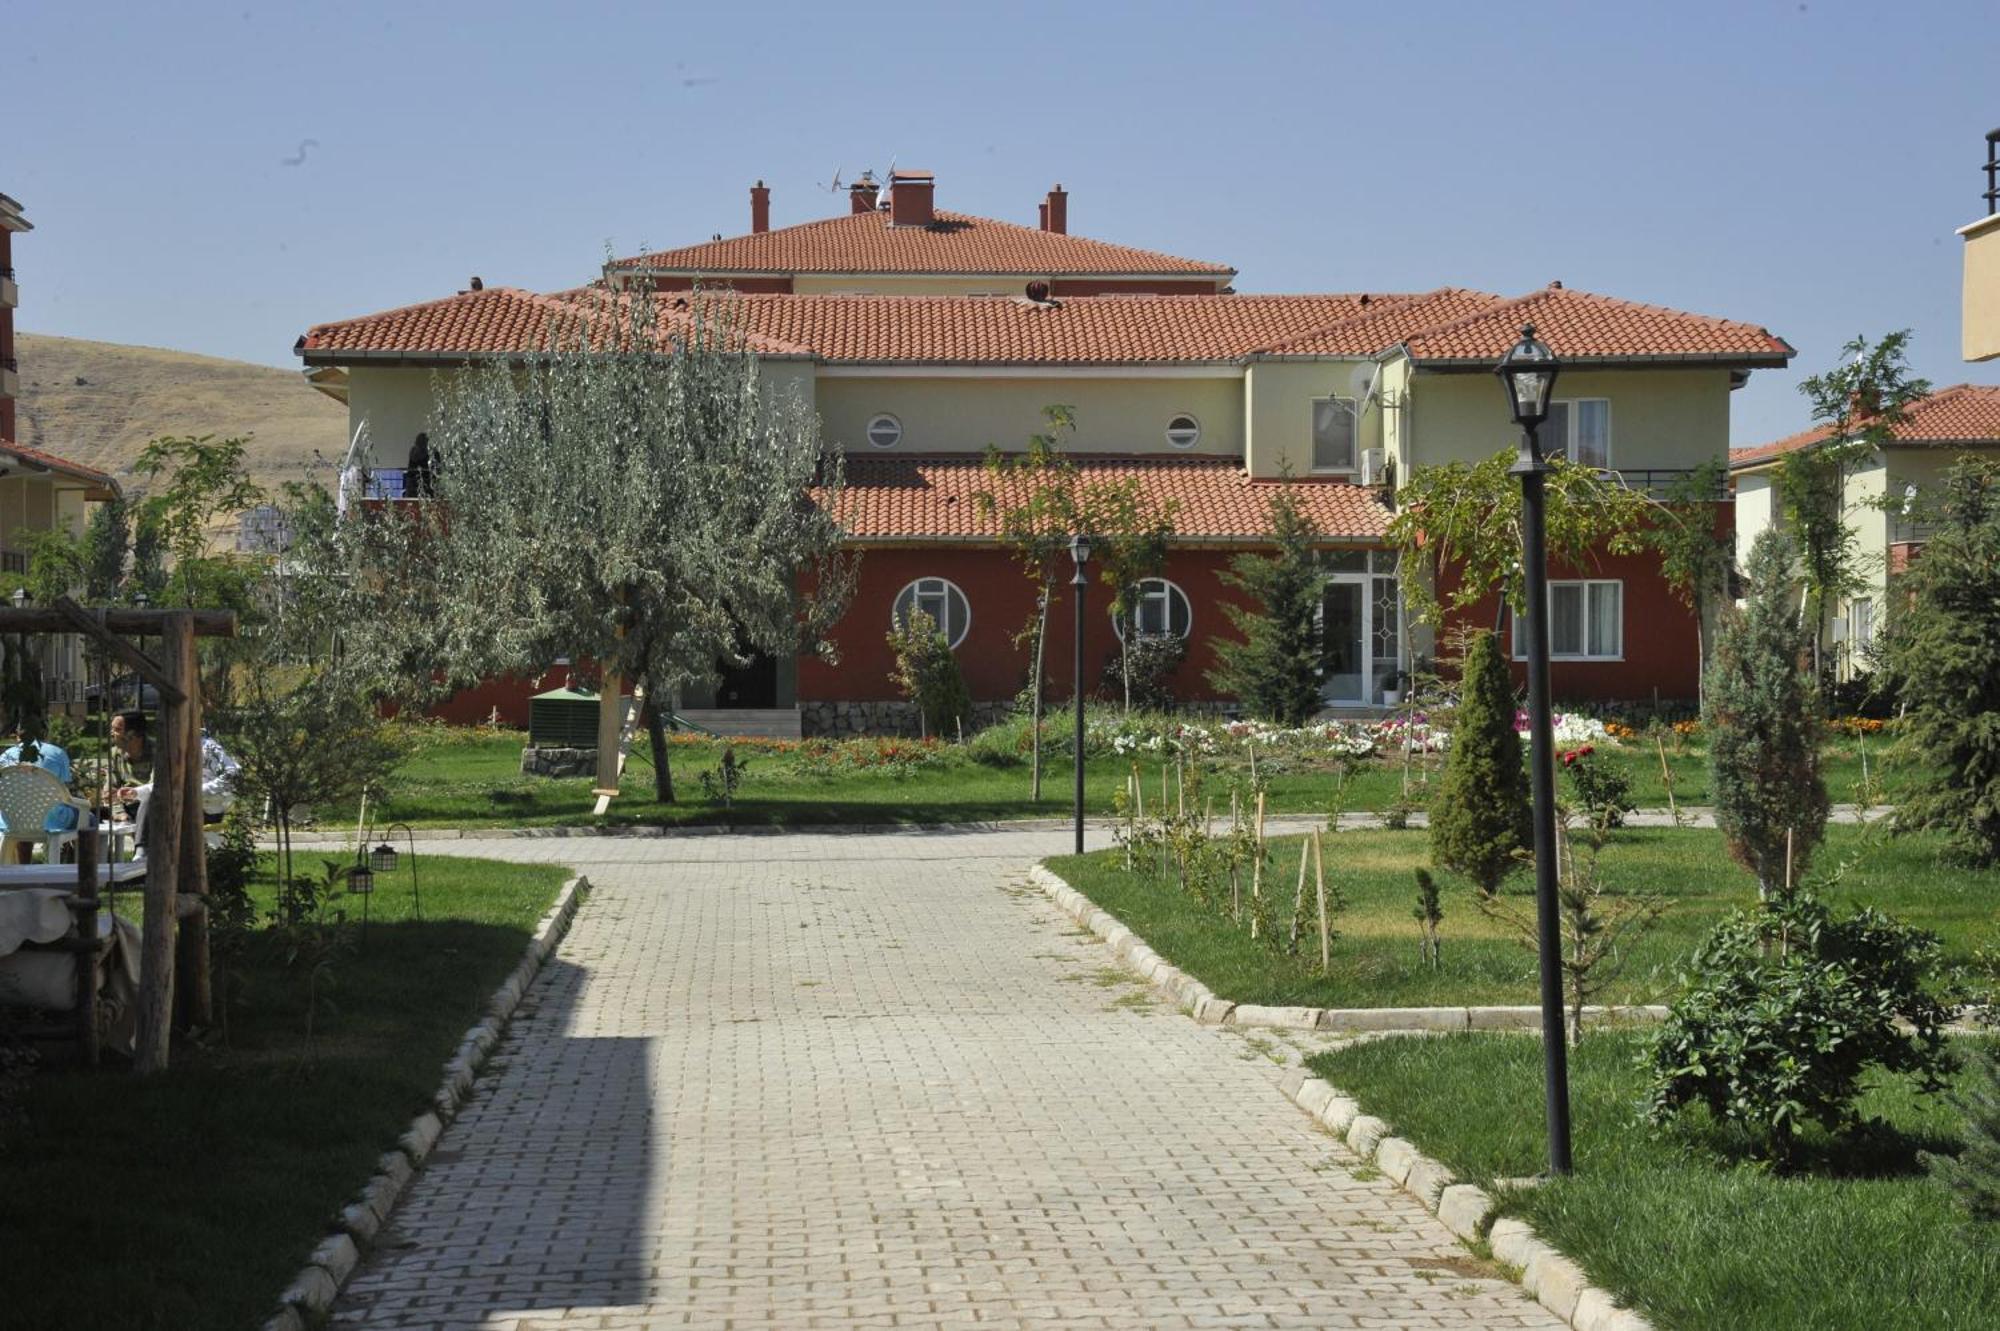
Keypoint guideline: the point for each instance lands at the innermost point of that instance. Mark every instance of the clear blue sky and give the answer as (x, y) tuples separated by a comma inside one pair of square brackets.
[(1798, 165)]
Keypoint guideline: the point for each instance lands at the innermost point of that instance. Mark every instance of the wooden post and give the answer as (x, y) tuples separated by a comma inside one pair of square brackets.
[(1319, 872), (165, 827), (1257, 874), (1299, 892), (192, 978), (86, 952), (609, 726)]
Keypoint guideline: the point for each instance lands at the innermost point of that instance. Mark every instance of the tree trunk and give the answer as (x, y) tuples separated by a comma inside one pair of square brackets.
[(192, 966), (656, 735), (1041, 647), (164, 829)]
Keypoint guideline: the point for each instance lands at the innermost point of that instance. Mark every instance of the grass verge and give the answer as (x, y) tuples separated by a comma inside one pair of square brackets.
[(1375, 957), (189, 1200), (472, 779), (1677, 1224)]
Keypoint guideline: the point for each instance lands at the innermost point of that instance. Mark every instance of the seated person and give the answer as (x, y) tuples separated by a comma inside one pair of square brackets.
[(131, 749), (52, 759)]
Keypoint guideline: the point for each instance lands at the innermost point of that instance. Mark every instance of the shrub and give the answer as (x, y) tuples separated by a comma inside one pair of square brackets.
[(1784, 1008), (1943, 649), (927, 672), (1602, 788), (1152, 659), (1479, 822), (1761, 711), (1973, 1175)]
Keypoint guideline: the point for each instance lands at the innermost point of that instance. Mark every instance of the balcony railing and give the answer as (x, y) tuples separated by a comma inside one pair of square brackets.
[(13, 561), (1910, 531), (1660, 482)]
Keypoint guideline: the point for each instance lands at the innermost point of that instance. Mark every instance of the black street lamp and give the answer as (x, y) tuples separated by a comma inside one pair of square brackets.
[(1079, 550), (1529, 372)]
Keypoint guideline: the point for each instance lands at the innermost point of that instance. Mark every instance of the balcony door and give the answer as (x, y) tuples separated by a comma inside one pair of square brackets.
[(1343, 640)]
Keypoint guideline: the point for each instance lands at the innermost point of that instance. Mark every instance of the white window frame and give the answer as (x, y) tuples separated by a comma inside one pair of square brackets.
[(1518, 641), (1566, 447), (1163, 588), (918, 588), (1347, 406), (1861, 625), (1183, 416), (877, 419)]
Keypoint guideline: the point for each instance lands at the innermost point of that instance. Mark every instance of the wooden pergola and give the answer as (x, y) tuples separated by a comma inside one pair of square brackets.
[(176, 892)]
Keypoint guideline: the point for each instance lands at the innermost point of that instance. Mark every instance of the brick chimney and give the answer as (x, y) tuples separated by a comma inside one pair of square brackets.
[(1055, 212), (760, 208), (861, 194), (910, 198)]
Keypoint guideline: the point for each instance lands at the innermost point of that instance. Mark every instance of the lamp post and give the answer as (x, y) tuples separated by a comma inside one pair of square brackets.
[(1528, 371), (1079, 550)]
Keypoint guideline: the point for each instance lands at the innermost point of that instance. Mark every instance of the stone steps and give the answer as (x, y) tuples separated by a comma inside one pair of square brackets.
[(746, 722)]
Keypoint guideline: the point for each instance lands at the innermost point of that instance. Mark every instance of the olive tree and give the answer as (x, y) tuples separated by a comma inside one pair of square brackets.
[(640, 495)]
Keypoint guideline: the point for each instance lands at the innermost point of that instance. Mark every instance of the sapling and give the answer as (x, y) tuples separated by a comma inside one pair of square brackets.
[(1429, 914), (1595, 924)]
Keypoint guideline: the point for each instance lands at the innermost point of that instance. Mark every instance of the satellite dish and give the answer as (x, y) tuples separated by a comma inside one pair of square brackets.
[(1361, 383)]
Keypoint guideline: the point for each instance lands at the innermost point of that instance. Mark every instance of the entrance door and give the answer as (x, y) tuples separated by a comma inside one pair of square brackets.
[(1343, 630), (752, 685)]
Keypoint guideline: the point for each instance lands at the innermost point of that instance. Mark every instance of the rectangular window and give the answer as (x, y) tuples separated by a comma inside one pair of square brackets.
[(1586, 622), (1579, 429), (1861, 615), (1333, 433)]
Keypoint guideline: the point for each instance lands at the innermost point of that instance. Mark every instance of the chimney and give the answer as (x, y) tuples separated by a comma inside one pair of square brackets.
[(910, 198), (1055, 213), (861, 194), (1045, 216), (760, 209)]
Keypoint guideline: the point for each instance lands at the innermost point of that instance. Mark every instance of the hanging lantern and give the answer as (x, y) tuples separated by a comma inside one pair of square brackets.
[(383, 860), (361, 880)]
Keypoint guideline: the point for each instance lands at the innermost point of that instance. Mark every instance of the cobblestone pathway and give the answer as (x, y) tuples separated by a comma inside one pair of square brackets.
[(876, 1081)]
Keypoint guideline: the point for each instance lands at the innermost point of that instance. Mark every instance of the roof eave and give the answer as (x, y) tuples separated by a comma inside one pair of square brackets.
[(1718, 360), (1179, 275)]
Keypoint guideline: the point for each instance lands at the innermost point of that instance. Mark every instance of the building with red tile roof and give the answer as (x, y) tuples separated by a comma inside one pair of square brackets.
[(1886, 499), (922, 337)]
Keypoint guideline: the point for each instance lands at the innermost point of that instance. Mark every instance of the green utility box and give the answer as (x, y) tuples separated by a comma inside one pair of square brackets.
[(563, 719)]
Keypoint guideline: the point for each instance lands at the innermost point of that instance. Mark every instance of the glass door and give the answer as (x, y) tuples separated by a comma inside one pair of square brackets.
[(1343, 640)]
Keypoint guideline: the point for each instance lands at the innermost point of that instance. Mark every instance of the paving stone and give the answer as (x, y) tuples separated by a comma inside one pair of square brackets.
[(1514, 1242), (1556, 1281), (835, 1080), (1365, 1133), (1394, 1156), (1427, 1181)]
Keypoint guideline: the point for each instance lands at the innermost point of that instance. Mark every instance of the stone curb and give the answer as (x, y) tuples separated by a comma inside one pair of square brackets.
[(312, 1292), (1280, 824), (1204, 1006), (1556, 1282)]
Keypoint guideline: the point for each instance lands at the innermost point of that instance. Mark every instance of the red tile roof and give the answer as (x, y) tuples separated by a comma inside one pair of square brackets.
[(954, 243), (927, 498), (37, 460), (1387, 321), (1580, 326), (1962, 415), (493, 321), (1445, 327)]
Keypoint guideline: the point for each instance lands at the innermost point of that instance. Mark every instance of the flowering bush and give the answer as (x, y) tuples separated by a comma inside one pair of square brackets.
[(1604, 791), (1415, 730), (1619, 730), (826, 757), (1857, 725), (1341, 738)]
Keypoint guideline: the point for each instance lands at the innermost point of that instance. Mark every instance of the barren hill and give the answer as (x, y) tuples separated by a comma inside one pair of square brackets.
[(99, 402)]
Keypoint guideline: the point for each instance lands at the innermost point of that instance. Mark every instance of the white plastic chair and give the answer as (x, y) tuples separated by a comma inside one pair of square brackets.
[(28, 795)]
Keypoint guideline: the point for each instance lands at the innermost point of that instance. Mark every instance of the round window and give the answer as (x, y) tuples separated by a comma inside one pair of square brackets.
[(1159, 610), (939, 598), (884, 430), (1183, 431)]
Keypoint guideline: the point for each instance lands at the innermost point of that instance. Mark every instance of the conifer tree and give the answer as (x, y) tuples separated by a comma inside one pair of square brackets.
[(1480, 822), (1275, 668), (1974, 1173), (1942, 648), (1761, 710)]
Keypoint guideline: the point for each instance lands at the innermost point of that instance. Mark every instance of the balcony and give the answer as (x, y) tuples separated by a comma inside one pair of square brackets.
[(10, 377), (1907, 536), (10, 290), (1660, 482)]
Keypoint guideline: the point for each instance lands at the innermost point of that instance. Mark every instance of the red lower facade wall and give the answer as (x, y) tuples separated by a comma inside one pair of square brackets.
[(1001, 599), (1662, 657), (508, 694)]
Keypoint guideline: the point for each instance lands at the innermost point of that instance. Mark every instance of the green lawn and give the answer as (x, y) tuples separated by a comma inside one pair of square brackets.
[(1677, 1224), (472, 779), (1375, 958), (191, 1199)]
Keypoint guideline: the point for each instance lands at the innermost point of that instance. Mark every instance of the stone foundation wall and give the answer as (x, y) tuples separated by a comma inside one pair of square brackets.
[(839, 720), (558, 762)]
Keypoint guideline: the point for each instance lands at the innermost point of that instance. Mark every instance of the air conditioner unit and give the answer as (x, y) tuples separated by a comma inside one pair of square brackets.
[(1371, 466)]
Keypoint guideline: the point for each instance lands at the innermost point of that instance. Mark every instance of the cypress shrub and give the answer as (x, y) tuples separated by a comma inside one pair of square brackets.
[(1480, 823)]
